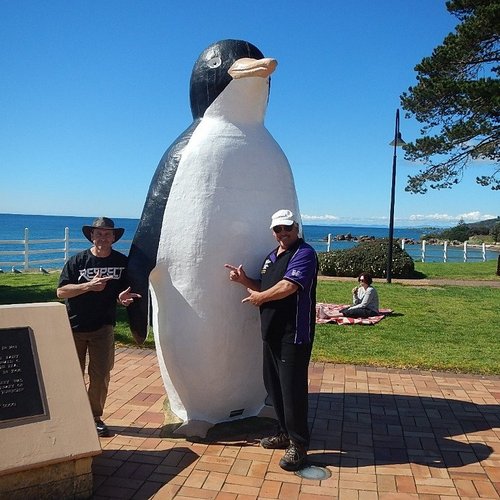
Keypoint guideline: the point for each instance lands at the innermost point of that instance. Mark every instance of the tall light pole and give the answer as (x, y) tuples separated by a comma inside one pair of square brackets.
[(397, 141)]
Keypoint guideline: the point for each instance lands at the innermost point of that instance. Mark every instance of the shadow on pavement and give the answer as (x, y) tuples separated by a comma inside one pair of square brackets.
[(379, 429)]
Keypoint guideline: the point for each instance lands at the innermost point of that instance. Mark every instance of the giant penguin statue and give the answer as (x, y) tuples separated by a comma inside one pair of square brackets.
[(209, 78), (209, 204)]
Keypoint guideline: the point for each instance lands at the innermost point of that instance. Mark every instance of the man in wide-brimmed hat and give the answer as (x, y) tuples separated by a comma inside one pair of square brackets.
[(91, 283), (103, 223)]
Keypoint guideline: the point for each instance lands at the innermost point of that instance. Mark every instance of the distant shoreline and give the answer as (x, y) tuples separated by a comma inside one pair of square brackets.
[(309, 224)]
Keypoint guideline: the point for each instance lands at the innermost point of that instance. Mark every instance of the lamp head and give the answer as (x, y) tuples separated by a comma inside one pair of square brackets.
[(399, 141)]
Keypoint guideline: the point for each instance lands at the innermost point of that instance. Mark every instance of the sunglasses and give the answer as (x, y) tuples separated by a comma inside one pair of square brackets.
[(278, 229)]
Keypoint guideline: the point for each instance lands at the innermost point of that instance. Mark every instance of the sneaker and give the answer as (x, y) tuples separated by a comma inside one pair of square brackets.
[(102, 428), (294, 458), (278, 442)]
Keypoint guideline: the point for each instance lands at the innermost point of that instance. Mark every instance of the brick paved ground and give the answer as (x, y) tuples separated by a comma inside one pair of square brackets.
[(383, 434)]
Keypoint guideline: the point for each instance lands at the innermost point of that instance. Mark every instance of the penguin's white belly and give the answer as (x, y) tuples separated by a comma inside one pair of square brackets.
[(228, 183)]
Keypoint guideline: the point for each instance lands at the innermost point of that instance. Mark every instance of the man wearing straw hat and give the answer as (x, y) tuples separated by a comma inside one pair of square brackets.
[(92, 282)]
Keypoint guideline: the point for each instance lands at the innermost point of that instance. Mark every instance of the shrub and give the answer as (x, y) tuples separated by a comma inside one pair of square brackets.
[(480, 239), (369, 256)]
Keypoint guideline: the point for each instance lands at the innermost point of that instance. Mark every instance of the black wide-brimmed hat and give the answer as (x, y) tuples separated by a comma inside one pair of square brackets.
[(103, 223)]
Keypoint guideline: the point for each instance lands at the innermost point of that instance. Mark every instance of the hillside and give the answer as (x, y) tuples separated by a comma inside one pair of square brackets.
[(488, 223), (481, 231)]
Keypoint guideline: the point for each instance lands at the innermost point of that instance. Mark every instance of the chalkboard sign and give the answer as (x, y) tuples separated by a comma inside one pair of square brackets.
[(21, 385)]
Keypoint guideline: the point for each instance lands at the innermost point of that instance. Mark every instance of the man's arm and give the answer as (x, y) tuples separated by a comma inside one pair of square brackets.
[(71, 290), (238, 275), (126, 297), (282, 289)]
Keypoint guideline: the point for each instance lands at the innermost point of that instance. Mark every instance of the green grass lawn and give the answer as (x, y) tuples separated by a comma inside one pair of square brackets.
[(33, 287), (434, 327), (458, 270)]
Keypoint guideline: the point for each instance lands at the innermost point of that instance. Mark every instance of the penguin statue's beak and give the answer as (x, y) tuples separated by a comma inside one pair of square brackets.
[(247, 67)]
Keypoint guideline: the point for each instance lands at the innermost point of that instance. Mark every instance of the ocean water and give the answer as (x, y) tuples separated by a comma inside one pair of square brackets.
[(42, 227), (52, 226)]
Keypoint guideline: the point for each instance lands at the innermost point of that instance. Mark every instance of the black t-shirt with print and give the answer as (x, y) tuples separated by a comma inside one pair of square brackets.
[(92, 310)]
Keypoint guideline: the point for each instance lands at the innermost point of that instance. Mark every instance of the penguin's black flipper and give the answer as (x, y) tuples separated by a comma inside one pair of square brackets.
[(142, 255)]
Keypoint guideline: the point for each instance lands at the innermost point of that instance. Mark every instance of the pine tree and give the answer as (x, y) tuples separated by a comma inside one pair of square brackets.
[(457, 98)]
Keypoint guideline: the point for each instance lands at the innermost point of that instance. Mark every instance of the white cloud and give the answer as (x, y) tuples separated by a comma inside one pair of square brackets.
[(474, 216), (415, 220), (320, 218), (433, 217)]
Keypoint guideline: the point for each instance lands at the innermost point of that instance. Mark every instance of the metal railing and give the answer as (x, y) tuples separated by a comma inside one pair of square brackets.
[(26, 252), (425, 250), (445, 251), (29, 253)]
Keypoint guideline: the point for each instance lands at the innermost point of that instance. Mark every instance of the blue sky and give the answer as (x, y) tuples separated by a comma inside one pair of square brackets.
[(93, 92)]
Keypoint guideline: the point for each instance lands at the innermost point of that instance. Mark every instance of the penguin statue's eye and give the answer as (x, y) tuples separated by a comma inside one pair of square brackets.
[(214, 62)]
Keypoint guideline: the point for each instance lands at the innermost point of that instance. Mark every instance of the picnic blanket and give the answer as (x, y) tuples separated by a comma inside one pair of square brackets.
[(329, 313)]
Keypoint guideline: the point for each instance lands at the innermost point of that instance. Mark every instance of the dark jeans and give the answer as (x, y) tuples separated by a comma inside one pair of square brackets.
[(285, 378), (361, 312)]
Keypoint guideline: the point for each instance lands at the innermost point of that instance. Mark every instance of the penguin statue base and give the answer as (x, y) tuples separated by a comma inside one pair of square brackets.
[(175, 427)]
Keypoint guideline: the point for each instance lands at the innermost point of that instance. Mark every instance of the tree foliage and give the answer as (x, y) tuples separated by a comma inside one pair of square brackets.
[(462, 232), (457, 98), (495, 232)]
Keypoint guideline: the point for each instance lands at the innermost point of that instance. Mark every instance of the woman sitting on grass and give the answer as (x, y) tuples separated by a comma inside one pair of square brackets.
[(364, 299)]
